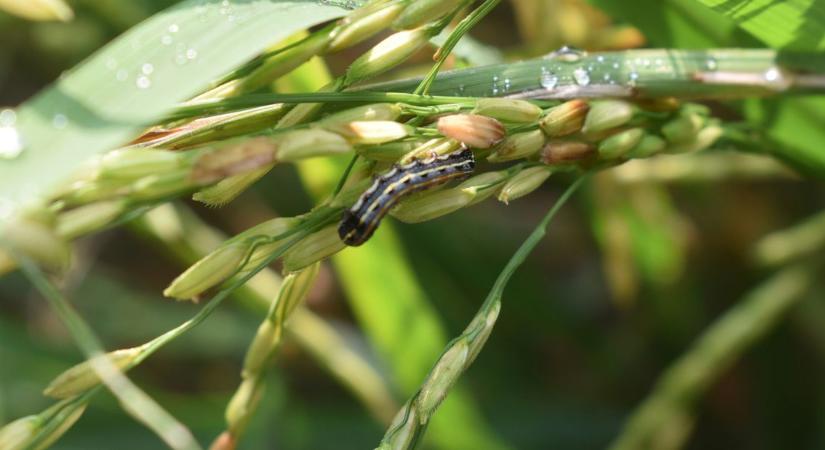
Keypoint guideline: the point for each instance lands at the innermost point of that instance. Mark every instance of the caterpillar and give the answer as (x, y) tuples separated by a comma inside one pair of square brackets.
[(360, 221)]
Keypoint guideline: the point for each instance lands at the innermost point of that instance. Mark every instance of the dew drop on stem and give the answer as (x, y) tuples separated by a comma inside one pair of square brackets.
[(581, 76)]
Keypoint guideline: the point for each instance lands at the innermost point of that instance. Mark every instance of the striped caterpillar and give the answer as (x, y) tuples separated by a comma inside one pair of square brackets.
[(359, 222)]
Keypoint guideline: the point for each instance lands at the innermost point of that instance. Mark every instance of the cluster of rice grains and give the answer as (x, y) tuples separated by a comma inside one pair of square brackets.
[(415, 162), (417, 173)]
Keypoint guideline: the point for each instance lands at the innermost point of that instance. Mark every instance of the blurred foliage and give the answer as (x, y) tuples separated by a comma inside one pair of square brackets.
[(627, 279)]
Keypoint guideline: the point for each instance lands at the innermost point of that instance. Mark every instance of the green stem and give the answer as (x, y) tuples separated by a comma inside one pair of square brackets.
[(321, 218), (213, 106), (666, 415), (411, 422), (133, 400), (458, 32)]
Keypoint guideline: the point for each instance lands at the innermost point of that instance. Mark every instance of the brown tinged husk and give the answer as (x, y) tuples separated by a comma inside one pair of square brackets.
[(565, 152), (564, 119), (472, 130)]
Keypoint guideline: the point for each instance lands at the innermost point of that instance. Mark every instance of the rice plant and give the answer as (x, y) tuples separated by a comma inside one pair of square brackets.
[(392, 112)]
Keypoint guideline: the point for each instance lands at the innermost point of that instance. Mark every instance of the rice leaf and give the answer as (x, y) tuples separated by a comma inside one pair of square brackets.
[(796, 25), (137, 79)]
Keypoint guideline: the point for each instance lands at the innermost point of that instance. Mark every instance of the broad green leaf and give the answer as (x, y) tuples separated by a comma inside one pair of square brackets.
[(792, 25), (677, 23), (137, 79)]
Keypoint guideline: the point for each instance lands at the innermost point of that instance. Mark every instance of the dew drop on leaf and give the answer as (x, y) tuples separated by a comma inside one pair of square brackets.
[(581, 76)]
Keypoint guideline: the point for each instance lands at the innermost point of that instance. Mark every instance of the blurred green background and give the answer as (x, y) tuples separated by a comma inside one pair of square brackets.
[(631, 272)]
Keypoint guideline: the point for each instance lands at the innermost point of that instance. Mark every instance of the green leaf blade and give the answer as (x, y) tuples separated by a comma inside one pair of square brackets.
[(138, 78)]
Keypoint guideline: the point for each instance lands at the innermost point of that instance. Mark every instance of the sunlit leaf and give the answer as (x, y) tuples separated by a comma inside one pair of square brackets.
[(136, 79), (792, 25)]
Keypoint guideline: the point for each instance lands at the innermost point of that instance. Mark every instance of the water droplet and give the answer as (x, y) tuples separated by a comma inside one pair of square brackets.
[(147, 69), (616, 65), (166, 39), (581, 76), (122, 75), (606, 77), (632, 77), (111, 63), (711, 64), (772, 74), (7, 117), (191, 53), (548, 80), (11, 144), (174, 28), (180, 59), (143, 82), (567, 54), (600, 59), (660, 62), (60, 121), (461, 88)]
